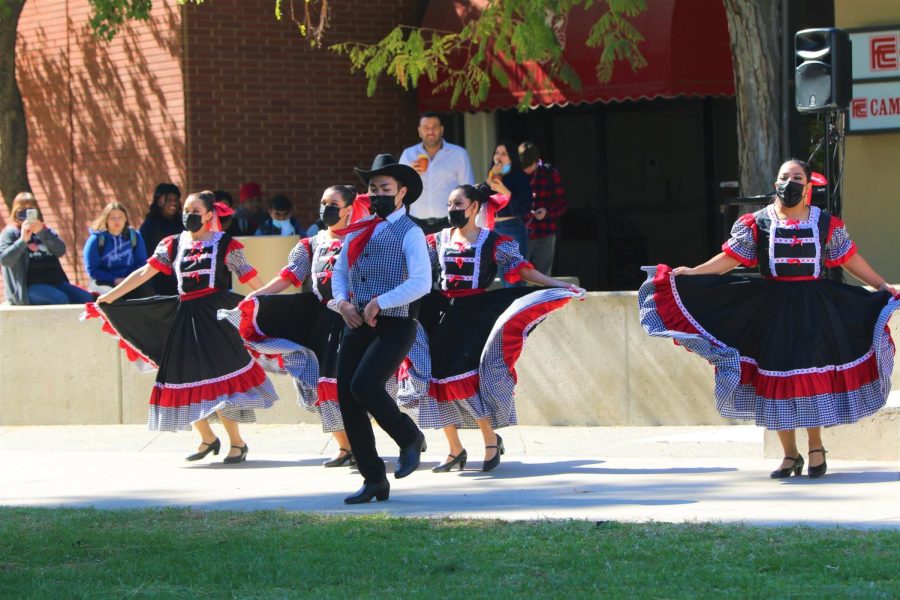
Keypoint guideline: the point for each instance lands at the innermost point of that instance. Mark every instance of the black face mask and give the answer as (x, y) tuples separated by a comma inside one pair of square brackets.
[(383, 205), (458, 218), (330, 214), (790, 192), (192, 222)]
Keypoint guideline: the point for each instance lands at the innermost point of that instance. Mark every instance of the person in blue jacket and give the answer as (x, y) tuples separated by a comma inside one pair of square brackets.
[(113, 251)]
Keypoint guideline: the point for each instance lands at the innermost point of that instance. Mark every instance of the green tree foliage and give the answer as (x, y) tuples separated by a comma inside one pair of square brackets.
[(521, 31)]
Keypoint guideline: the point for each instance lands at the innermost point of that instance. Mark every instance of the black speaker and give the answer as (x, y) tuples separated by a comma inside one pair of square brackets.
[(822, 74)]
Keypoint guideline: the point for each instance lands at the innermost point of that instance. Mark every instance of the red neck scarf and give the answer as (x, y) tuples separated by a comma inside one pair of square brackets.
[(358, 243)]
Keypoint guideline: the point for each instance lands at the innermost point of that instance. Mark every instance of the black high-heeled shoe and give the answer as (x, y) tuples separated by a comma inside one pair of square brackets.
[(230, 460), (341, 459), (460, 459), (490, 465), (213, 447), (815, 472), (796, 468)]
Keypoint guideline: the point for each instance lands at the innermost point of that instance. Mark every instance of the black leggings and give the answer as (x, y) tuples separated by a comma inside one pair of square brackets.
[(367, 358)]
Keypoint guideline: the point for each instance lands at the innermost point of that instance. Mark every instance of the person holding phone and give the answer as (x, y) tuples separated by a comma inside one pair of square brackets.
[(29, 256)]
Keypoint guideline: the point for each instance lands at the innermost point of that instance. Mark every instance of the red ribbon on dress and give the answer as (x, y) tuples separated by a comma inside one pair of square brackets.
[(460, 262), (494, 204), (796, 242), (366, 227)]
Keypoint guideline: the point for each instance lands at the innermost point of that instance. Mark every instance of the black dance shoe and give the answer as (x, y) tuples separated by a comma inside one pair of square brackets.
[(815, 472), (410, 457), (379, 491), (796, 468), (460, 459), (213, 447), (341, 459), (490, 465), (230, 460)]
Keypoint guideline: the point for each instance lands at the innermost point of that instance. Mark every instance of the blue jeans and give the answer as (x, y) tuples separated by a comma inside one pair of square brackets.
[(64, 293), (514, 228)]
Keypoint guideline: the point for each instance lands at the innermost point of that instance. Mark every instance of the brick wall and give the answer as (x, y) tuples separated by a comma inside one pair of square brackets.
[(206, 96), (264, 106), (106, 120)]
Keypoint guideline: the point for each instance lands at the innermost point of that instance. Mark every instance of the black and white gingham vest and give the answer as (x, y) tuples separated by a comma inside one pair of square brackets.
[(381, 267)]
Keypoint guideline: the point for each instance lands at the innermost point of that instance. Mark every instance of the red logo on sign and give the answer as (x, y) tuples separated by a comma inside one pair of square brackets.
[(859, 108), (883, 52)]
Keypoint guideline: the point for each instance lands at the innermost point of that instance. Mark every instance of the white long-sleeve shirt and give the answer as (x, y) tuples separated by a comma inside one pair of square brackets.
[(449, 168)]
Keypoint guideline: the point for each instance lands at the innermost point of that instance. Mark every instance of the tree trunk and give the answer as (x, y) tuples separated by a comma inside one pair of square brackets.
[(13, 128), (755, 29)]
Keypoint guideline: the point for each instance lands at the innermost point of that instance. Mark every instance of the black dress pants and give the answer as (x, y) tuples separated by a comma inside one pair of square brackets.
[(367, 358)]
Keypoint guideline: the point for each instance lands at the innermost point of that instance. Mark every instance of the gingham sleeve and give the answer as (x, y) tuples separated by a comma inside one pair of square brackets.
[(509, 260), (431, 243), (299, 263), (162, 257), (839, 248), (237, 262), (741, 246)]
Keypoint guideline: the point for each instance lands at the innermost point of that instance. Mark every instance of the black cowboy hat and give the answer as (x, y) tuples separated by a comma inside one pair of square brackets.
[(385, 164)]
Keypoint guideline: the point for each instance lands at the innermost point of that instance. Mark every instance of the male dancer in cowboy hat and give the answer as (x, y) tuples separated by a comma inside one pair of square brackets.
[(380, 275)]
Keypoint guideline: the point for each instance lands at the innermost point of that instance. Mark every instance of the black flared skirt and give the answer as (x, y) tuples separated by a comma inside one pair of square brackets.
[(788, 354)]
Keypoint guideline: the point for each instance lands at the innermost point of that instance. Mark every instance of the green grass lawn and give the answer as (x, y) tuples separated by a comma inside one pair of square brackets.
[(181, 553)]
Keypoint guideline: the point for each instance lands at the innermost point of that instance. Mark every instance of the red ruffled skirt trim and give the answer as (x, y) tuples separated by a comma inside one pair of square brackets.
[(91, 311), (241, 382), (515, 330), (831, 381), (248, 329), (456, 389), (326, 389)]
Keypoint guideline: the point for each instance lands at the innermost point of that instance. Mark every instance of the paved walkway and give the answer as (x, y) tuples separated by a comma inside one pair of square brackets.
[(671, 474)]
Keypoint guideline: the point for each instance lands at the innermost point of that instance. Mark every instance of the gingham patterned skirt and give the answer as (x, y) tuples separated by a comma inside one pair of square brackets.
[(788, 354), (203, 368), (297, 335), (474, 343)]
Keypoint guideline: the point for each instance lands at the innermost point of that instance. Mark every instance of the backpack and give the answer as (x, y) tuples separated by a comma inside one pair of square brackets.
[(101, 241)]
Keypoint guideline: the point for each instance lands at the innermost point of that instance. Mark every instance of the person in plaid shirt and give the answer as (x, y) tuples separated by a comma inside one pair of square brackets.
[(548, 206)]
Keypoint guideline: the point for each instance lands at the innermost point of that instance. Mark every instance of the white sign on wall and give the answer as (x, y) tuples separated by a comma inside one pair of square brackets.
[(876, 54), (875, 106)]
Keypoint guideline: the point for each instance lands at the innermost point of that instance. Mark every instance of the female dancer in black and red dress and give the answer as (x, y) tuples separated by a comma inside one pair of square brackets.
[(791, 350), (475, 337), (204, 370), (296, 333)]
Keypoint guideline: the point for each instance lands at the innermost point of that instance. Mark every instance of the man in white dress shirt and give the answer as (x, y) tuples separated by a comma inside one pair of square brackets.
[(442, 167), (381, 273)]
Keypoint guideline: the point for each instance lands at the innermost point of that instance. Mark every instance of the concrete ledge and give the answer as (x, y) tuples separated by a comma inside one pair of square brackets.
[(873, 438), (590, 364)]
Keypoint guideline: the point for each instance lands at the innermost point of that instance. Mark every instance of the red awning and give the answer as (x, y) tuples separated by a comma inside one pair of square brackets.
[(686, 45)]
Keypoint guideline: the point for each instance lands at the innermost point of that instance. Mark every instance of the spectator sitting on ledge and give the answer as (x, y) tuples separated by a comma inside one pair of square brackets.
[(29, 255), (280, 220), (113, 251)]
